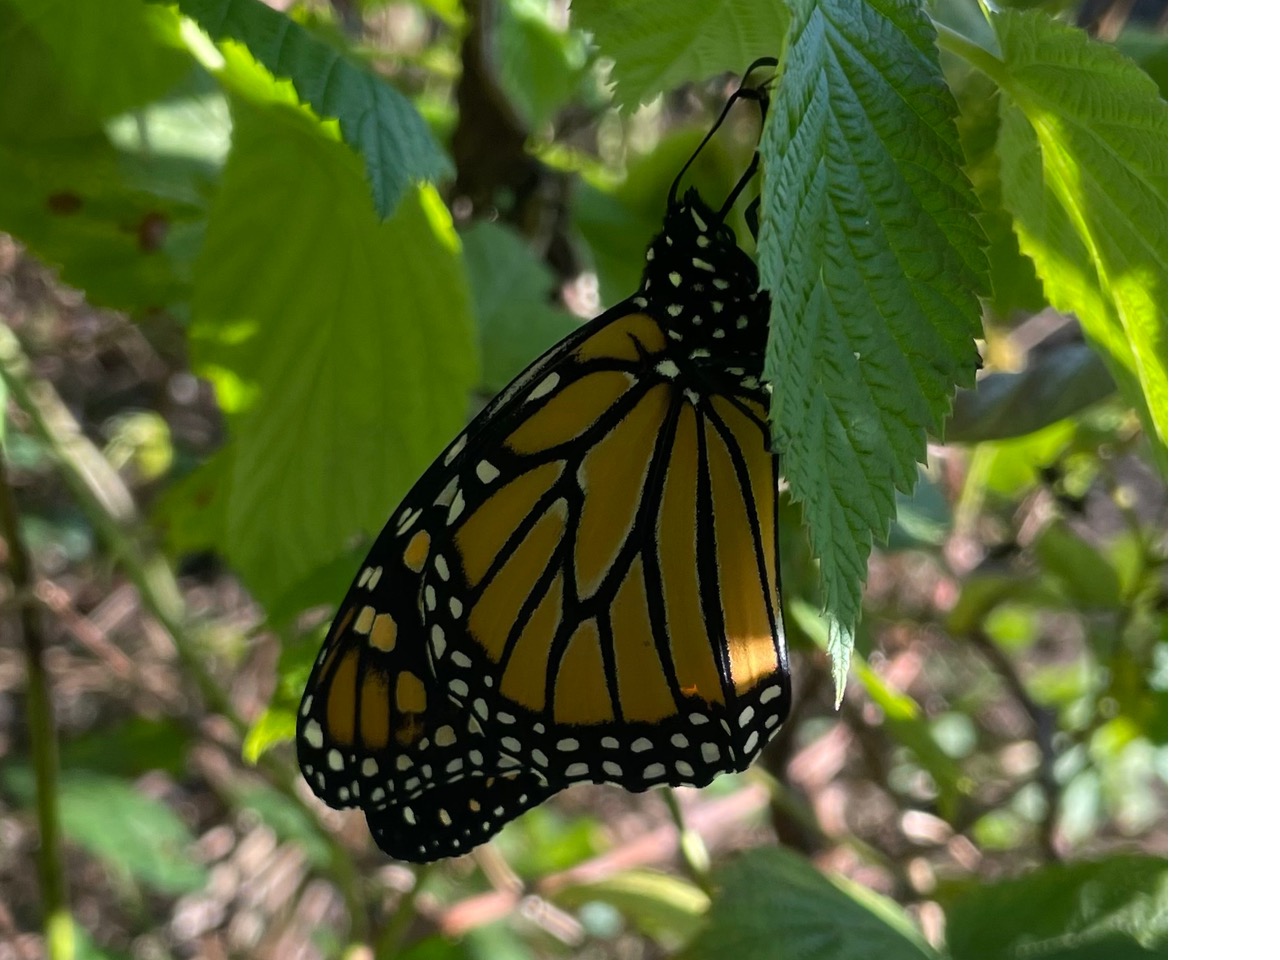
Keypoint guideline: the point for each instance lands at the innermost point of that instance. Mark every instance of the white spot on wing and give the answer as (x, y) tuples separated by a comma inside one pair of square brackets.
[(548, 384)]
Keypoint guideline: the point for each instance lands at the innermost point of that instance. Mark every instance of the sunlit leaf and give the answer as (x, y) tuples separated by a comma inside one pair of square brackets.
[(397, 146), (342, 344), (661, 906), (659, 44), (1084, 156)]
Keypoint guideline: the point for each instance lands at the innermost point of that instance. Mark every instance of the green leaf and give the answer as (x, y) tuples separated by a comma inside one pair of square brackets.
[(138, 837), (1015, 288), (1051, 387), (340, 346), (76, 200), (540, 66), (397, 146), (1011, 467), (69, 204), (511, 290), (274, 725), (1115, 909), (1084, 155), (659, 44), (111, 54), (874, 260), (660, 906), (772, 905), (129, 748), (1086, 575)]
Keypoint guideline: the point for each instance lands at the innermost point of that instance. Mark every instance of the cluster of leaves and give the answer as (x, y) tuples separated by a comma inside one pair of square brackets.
[(248, 175)]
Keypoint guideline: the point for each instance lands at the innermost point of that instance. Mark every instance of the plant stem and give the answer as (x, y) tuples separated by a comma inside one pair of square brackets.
[(979, 56), (692, 850), (44, 739)]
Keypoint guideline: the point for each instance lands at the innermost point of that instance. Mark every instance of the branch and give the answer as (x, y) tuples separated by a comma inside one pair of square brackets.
[(1044, 721)]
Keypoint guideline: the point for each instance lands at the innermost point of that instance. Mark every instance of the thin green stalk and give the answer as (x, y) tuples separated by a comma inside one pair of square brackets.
[(954, 42), (692, 849), (389, 940), (59, 938)]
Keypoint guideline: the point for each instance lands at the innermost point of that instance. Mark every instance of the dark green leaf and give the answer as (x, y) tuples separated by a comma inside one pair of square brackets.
[(1115, 909), (140, 838), (1052, 387), (873, 257), (129, 748), (772, 905), (1085, 573), (511, 290), (397, 146)]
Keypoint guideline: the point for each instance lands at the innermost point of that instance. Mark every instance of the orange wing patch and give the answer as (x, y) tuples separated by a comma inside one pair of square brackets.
[(495, 613), (570, 411), (525, 679), (613, 476), (375, 719), (748, 629), (642, 686), (764, 483), (341, 705), (581, 690), (488, 529), (618, 340), (677, 551)]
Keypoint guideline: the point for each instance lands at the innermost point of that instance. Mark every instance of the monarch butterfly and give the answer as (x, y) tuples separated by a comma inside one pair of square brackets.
[(584, 586)]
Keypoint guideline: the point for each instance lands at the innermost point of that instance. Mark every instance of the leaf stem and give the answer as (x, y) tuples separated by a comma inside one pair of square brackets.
[(44, 739), (983, 59)]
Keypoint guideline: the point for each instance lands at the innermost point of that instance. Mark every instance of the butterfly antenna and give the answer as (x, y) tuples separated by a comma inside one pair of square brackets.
[(756, 94)]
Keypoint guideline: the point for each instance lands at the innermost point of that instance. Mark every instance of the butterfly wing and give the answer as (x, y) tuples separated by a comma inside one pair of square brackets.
[(583, 587)]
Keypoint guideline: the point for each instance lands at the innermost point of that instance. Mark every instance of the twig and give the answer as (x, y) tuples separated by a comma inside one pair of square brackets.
[(59, 937), (1044, 720)]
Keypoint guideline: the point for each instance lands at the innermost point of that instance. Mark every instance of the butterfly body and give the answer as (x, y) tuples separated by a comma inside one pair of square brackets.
[(583, 587)]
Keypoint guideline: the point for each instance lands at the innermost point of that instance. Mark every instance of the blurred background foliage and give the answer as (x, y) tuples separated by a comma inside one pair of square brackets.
[(994, 783)]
